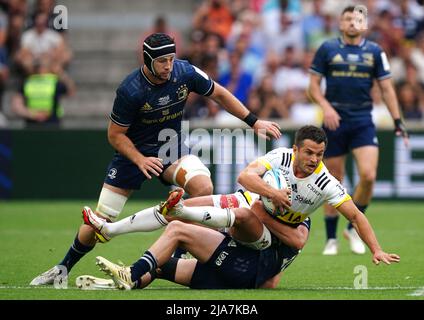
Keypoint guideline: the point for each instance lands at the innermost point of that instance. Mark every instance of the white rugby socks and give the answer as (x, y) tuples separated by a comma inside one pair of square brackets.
[(209, 216), (145, 220)]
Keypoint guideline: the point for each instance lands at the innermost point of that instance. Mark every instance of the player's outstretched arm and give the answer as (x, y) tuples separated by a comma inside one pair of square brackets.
[(230, 103), (365, 231)]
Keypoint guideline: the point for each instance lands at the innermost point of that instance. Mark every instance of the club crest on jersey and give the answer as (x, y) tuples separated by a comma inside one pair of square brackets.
[(182, 92), (163, 101), (368, 59)]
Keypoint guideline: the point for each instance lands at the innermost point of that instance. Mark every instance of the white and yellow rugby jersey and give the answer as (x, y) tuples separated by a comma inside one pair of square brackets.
[(309, 193)]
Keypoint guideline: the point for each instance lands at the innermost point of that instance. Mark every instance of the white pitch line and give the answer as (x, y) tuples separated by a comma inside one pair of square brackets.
[(419, 290), (417, 293)]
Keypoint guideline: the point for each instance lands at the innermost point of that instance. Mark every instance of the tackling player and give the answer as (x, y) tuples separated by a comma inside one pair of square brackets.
[(149, 100), (311, 185), (349, 65)]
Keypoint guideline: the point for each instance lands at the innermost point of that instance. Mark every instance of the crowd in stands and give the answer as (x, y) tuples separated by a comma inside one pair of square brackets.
[(34, 49), (261, 51)]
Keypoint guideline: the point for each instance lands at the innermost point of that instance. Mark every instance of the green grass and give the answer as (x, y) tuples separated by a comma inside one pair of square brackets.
[(34, 235)]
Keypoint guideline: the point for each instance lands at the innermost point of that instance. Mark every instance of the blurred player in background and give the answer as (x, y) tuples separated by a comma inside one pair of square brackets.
[(150, 100), (311, 185), (350, 64)]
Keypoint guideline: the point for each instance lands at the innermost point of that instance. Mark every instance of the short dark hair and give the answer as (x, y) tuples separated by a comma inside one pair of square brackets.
[(312, 133), (348, 9)]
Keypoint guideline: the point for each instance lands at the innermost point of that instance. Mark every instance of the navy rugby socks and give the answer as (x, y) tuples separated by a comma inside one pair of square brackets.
[(75, 253), (331, 226), (145, 264)]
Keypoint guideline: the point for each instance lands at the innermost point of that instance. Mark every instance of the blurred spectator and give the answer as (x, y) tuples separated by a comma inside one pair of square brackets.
[(46, 7), (4, 69), (42, 43), (408, 19), (417, 56), (194, 52), (236, 80), (16, 11), (264, 101), (38, 99), (160, 25), (214, 16), (409, 101)]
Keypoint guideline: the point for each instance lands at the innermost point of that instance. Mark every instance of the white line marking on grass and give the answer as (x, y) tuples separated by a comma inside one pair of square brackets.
[(419, 290), (417, 293)]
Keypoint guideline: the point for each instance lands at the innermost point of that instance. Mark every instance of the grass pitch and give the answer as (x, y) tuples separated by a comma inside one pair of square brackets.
[(35, 235)]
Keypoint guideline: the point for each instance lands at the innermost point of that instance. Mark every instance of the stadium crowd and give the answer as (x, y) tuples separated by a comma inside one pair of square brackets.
[(261, 51)]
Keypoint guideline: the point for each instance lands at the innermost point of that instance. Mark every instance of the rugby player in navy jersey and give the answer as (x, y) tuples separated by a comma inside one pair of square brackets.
[(149, 101), (350, 64)]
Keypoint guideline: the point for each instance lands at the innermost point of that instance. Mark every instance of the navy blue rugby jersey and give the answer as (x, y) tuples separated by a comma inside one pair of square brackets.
[(349, 71), (147, 108)]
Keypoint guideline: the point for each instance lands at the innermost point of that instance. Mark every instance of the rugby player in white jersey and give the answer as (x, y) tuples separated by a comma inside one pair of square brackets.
[(311, 185)]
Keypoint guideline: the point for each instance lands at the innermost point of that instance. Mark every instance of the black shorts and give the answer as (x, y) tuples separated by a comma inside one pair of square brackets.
[(234, 266)]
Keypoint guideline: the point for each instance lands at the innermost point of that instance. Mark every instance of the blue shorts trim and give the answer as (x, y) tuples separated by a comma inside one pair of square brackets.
[(348, 136)]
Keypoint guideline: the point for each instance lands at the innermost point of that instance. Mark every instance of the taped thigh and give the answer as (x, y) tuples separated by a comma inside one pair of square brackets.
[(189, 167), (110, 204)]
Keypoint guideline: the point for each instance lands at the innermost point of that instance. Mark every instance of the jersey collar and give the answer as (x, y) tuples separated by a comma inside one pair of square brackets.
[(345, 44)]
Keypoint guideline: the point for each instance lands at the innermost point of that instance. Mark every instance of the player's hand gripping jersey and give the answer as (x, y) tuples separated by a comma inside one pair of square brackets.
[(309, 193)]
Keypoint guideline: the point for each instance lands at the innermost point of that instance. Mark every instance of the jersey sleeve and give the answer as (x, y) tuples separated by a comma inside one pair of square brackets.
[(336, 193), (382, 65), (273, 159), (123, 112), (201, 83), (319, 63)]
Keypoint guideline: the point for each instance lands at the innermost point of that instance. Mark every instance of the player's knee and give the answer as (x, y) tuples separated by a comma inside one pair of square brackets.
[(243, 216), (175, 230), (368, 178), (191, 167), (110, 204), (206, 189)]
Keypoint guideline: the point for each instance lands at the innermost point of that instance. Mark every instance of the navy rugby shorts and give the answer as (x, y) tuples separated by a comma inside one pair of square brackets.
[(350, 135)]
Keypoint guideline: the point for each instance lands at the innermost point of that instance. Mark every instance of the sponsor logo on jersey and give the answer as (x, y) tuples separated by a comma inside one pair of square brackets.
[(146, 107), (294, 187), (165, 112), (304, 200), (352, 57), (163, 101), (337, 58), (314, 190), (221, 258), (292, 217)]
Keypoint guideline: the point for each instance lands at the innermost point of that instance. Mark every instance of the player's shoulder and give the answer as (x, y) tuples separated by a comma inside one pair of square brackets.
[(280, 151), (371, 45), (131, 83), (182, 67), (330, 44), (323, 179)]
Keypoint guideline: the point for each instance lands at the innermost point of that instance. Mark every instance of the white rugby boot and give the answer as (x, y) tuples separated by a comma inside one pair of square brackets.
[(48, 277), (87, 282), (331, 248), (121, 275), (356, 244), (97, 223)]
